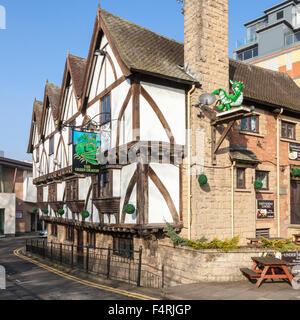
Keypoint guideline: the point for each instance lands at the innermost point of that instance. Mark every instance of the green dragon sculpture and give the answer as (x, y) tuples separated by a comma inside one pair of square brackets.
[(86, 149), (230, 100)]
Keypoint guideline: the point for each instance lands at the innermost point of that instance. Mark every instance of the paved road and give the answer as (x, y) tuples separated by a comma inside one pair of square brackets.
[(26, 281)]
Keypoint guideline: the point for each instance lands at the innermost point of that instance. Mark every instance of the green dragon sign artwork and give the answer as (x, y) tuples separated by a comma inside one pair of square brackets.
[(230, 100), (85, 146)]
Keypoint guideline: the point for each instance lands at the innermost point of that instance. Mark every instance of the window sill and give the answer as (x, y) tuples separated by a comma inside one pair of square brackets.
[(294, 226), (243, 190), (249, 133), (289, 140), (265, 191)]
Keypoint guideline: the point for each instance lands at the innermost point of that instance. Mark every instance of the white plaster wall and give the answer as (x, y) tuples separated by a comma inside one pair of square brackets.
[(171, 103), (8, 203), (158, 208), (118, 96), (126, 174), (115, 62), (116, 183), (84, 185), (60, 191), (29, 190)]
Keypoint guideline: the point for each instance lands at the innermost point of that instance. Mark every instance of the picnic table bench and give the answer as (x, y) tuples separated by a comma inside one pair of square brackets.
[(257, 240), (267, 268)]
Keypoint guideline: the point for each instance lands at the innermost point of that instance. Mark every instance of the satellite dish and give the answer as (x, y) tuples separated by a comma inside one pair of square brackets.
[(207, 99)]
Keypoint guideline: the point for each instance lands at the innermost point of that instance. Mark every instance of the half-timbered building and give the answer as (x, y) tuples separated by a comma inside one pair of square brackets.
[(137, 90)]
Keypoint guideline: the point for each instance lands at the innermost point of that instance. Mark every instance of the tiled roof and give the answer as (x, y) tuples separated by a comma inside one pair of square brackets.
[(264, 85), (242, 154), (77, 69), (53, 92), (144, 50), (38, 110)]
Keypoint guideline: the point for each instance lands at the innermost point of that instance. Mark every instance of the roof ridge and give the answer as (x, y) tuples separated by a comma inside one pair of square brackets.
[(141, 27)]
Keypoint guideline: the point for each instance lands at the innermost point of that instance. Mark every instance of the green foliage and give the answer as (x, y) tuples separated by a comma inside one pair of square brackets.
[(45, 211), (282, 245), (296, 172), (130, 208), (258, 184), (175, 238), (61, 211), (203, 243), (202, 179), (85, 214), (34, 210)]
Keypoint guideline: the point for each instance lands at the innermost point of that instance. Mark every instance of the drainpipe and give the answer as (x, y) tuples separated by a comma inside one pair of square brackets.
[(232, 199), (189, 158), (278, 163)]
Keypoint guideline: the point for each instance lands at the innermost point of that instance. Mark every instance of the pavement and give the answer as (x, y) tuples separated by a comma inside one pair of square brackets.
[(240, 290)]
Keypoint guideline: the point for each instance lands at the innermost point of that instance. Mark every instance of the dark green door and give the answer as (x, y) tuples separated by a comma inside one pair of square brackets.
[(1, 222)]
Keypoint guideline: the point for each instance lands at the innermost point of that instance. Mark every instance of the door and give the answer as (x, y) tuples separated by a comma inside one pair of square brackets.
[(33, 222), (80, 258), (1, 222), (295, 202)]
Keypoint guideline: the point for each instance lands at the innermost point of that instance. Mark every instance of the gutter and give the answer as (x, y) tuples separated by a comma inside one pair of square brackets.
[(278, 164), (189, 157)]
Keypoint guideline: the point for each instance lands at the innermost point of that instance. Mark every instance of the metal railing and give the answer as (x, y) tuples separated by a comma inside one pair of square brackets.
[(125, 265)]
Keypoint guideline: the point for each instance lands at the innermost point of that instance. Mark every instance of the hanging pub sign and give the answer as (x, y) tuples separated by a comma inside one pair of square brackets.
[(85, 145), (265, 209), (294, 151)]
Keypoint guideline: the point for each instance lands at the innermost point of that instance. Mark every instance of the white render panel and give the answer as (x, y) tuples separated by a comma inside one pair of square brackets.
[(126, 175), (158, 209), (8, 203), (116, 183), (95, 215), (131, 218), (151, 127), (84, 185), (171, 103), (60, 191), (115, 62), (118, 96), (29, 190), (45, 194), (95, 77)]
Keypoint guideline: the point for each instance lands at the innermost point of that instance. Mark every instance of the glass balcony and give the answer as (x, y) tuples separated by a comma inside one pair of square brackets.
[(292, 38)]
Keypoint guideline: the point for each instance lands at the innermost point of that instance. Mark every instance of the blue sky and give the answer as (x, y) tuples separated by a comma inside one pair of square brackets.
[(38, 34)]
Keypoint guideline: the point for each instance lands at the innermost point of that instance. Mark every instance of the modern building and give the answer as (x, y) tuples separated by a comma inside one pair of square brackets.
[(17, 198), (273, 40)]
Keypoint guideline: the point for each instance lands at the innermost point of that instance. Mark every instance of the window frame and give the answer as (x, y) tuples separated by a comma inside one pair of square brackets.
[(91, 239), (105, 114), (267, 180), (51, 145), (102, 185), (243, 185), (287, 123), (249, 124), (54, 229), (119, 243), (72, 190), (281, 12), (70, 233), (52, 192)]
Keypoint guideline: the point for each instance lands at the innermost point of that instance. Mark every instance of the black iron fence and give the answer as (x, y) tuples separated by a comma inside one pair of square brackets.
[(125, 265)]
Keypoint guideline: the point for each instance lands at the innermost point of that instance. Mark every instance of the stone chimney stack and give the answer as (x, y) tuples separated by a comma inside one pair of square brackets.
[(206, 50), (206, 46)]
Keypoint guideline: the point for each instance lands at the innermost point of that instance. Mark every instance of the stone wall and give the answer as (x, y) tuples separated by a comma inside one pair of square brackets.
[(185, 265)]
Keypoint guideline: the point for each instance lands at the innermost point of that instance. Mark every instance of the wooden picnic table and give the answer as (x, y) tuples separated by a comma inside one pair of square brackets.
[(257, 240), (267, 268)]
